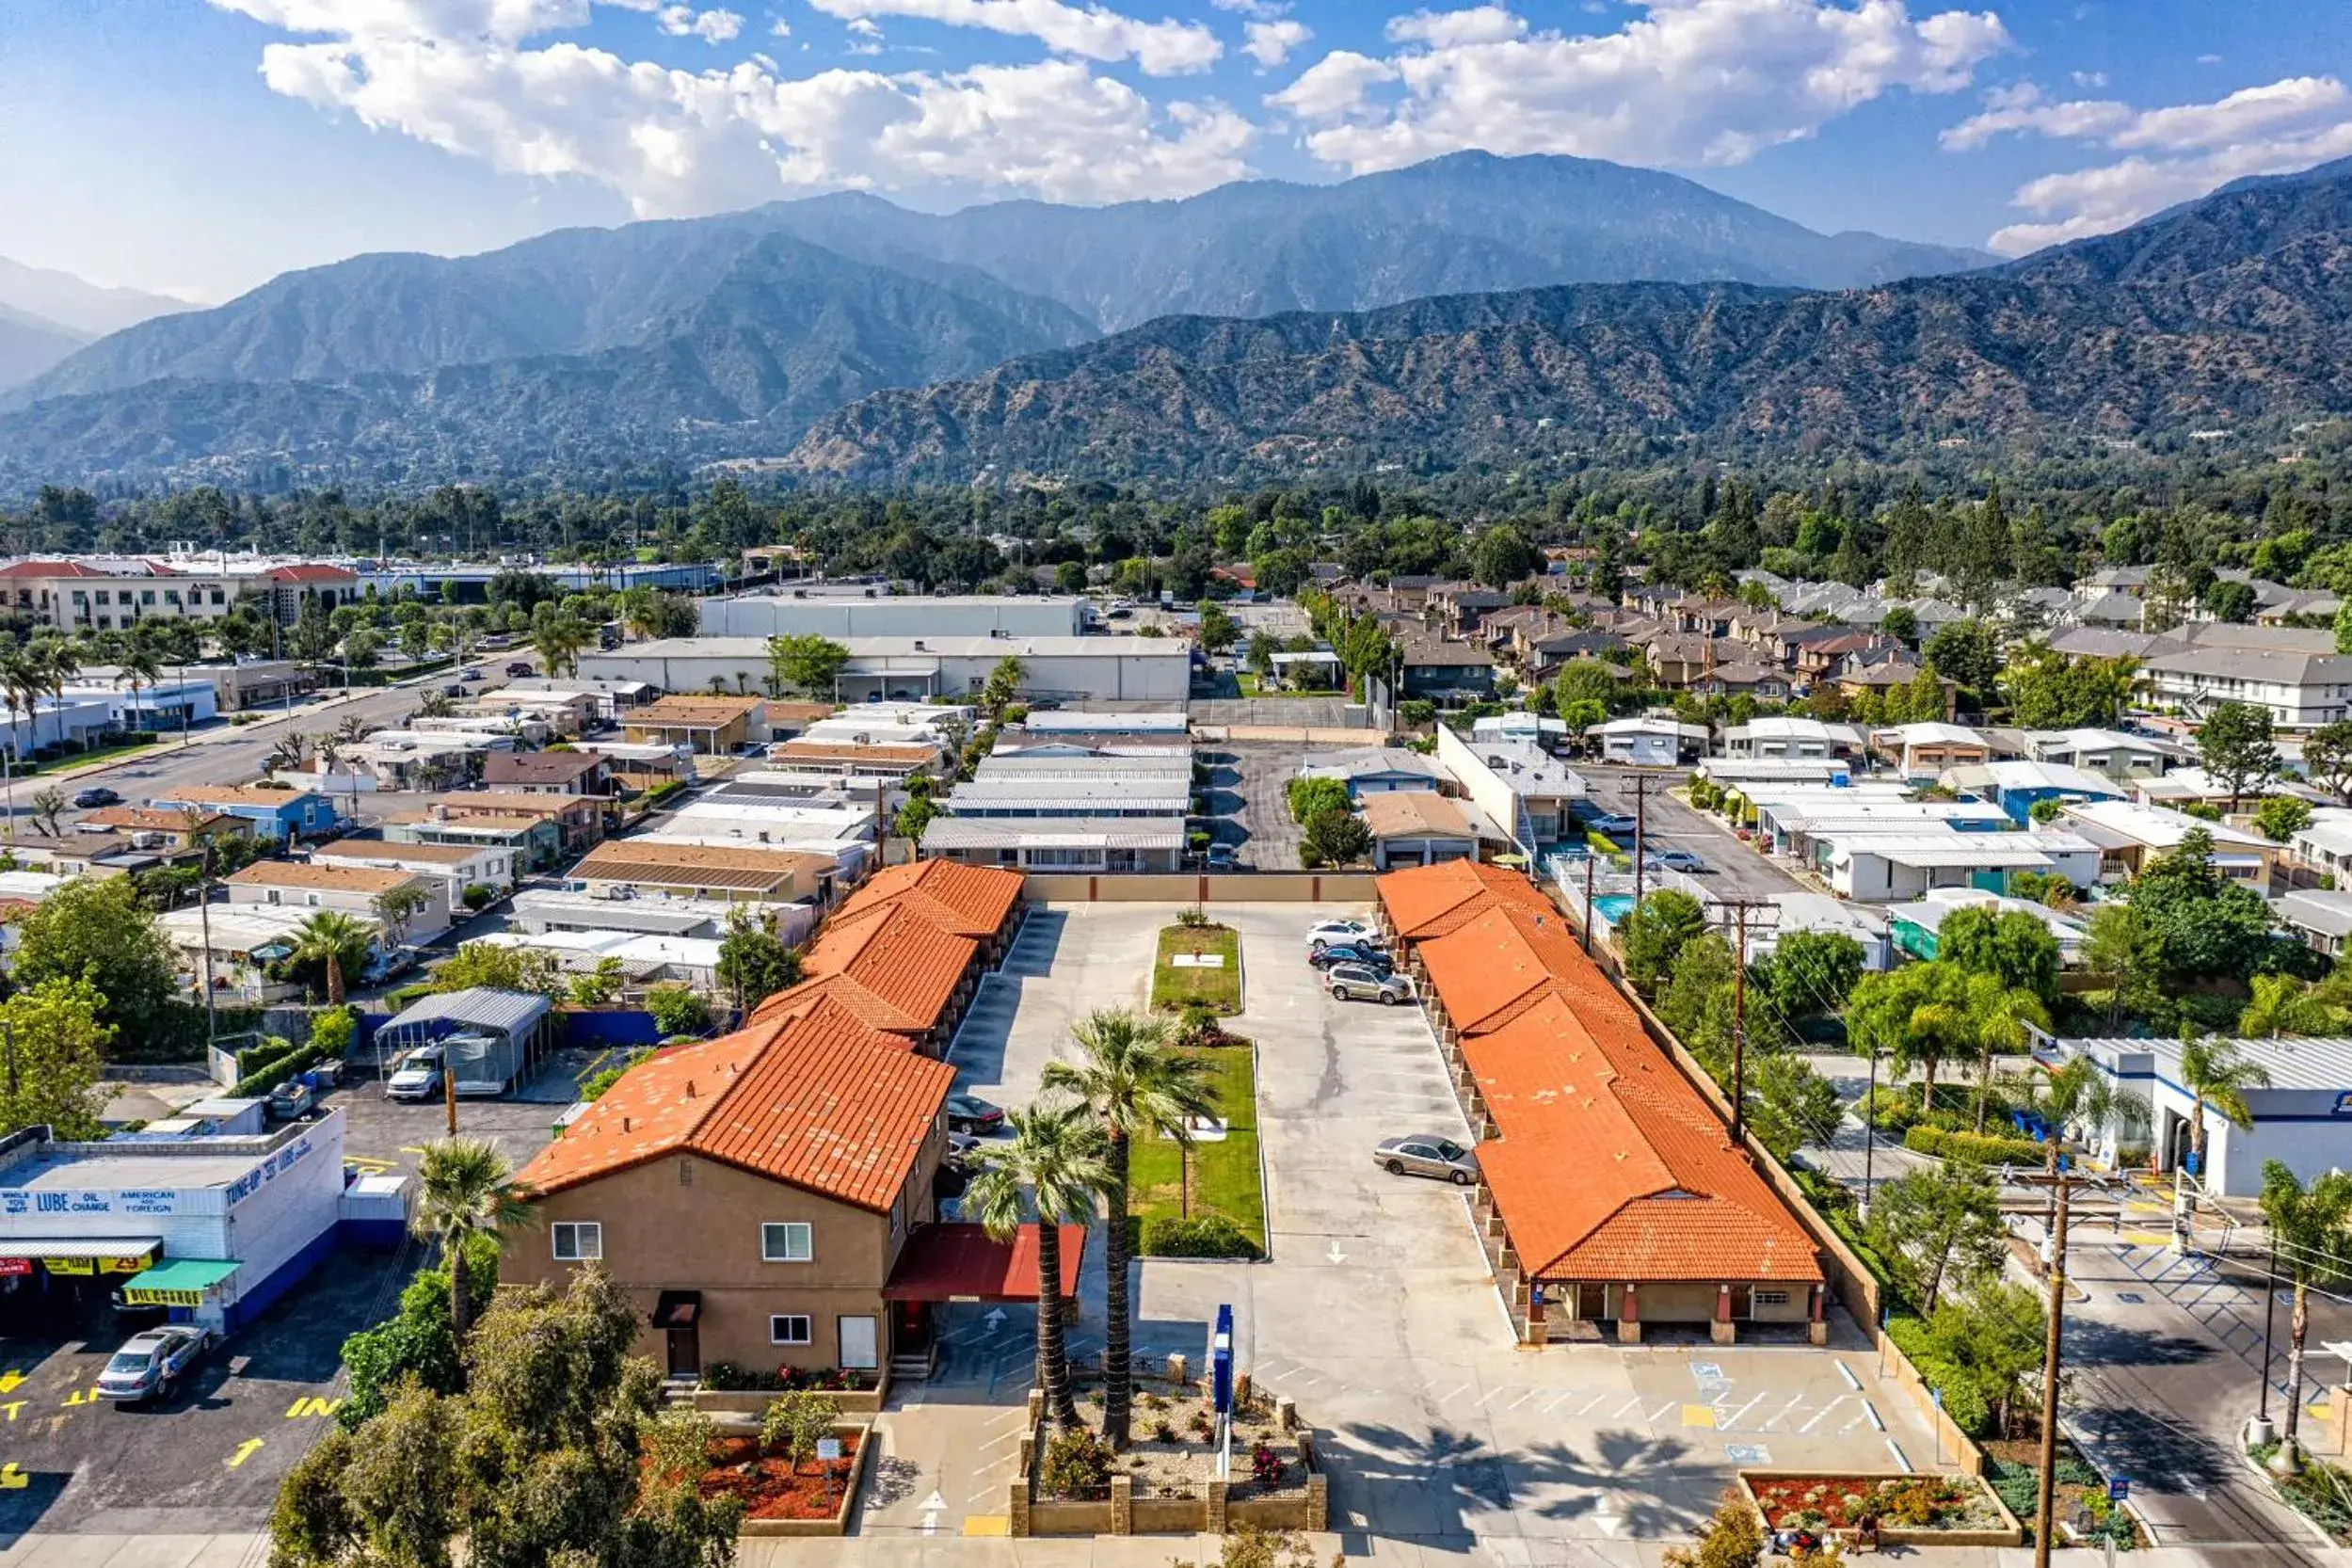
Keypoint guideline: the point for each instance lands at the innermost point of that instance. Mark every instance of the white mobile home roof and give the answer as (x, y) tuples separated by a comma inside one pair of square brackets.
[(2114, 823), (953, 833)]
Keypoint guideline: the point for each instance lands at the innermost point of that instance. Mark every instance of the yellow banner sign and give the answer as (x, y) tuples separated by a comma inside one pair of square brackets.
[(97, 1265), (138, 1295)]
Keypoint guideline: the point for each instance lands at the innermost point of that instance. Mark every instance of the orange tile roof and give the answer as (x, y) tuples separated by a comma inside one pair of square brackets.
[(908, 965), (1609, 1166), (1494, 964), (1427, 901), (970, 900), (818, 1100)]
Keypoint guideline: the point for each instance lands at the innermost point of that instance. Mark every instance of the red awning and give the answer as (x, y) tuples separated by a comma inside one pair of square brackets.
[(964, 1263)]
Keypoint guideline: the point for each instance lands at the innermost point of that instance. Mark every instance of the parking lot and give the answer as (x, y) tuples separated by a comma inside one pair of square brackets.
[(1733, 869), (209, 1457), (1376, 1311)]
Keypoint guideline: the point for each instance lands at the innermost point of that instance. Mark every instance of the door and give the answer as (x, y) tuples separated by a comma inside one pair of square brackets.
[(858, 1343), (1743, 1301), (686, 1350), (1592, 1302)]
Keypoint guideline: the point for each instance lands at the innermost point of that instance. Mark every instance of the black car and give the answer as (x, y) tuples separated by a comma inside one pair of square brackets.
[(521, 666), (971, 1114), (96, 795), (1352, 952)]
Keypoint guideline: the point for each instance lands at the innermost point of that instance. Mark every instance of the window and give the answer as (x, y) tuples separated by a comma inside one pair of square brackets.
[(790, 1328), (103, 598), (146, 596), (1771, 1298), (787, 1243), (578, 1241)]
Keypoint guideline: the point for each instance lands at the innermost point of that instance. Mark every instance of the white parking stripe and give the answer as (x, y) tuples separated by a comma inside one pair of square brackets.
[(1634, 1403), (1659, 1414), (1820, 1412), (1596, 1399), (1732, 1420)]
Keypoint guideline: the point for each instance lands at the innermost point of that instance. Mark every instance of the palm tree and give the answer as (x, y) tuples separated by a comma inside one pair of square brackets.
[(1053, 1166), (139, 667), (557, 641), (1997, 1015), (336, 939), (466, 1189), (1133, 1081), (2216, 1075), (2282, 1004), (2308, 1229)]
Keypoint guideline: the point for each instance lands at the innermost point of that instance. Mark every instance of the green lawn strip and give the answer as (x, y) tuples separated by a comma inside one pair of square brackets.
[(71, 762), (1219, 988), (1226, 1176)]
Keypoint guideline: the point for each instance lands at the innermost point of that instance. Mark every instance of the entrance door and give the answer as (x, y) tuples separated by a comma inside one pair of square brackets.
[(1592, 1302), (686, 1350), (858, 1343)]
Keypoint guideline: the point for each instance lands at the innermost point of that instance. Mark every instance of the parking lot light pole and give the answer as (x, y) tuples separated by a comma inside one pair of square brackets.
[(2261, 1430)]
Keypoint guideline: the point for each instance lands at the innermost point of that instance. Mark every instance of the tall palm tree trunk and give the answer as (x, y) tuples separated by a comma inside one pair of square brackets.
[(1984, 1086), (1118, 1384), (1053, 1356), (2299, 1323), (334, 980), (460, 1297)]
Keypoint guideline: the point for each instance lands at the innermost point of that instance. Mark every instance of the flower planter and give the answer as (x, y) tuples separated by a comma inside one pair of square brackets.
[(1777, 1495), (852, 1482)]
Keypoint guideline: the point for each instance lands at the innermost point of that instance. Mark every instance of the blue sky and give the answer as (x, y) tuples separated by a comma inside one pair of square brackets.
[(200, 146)]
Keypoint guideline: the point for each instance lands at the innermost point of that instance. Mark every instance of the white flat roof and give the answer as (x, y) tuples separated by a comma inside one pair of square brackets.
[(2155, 826), (755, 649), (949, 833)]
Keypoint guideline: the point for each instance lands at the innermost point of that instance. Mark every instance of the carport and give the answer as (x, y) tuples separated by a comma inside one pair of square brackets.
[(954, 1262), (495, 1039)]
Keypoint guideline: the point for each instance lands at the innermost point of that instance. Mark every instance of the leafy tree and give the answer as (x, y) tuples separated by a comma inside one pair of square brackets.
[(1939, 1224), (1654, 931), (1791, 1104), (500, 969), (336, 942), (1260, 655), (1901, 624), (806, 662), (1965, 652), (2202, 922), (1696, 1002), (1810, 974), (98, 930), (2312, 1226), (1051, 1168), (466, 1189), (2228, 600), (2119, 945), (1907, 1013), (417, 1340), (1219, 631), (2235, 748), (796, 1422), (557, 640), (1583, 681), (1337, 838), (600, 987), (2049, 690), (1996, 1339), (1312, 797), (754, 963), (2013, 947), (1134, 1083), (678, 1010), (1502, 556), (2327, 756), (2279, 818), (2344, 628), (56, 1048), (397, 906)]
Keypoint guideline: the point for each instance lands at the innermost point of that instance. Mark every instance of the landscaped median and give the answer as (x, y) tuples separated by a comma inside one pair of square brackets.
[(1165, 1482), (1203, 1196), (1892, 1509), (1199, 965)]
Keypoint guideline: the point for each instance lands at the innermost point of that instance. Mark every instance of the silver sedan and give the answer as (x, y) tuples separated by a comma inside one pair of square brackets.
[(1427, 1154)]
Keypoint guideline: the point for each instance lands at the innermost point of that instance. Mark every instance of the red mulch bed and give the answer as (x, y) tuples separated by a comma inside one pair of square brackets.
[(1825, 1496), (770, 1488)]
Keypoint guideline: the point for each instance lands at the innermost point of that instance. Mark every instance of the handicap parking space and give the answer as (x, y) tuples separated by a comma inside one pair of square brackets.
[(209, 1456)]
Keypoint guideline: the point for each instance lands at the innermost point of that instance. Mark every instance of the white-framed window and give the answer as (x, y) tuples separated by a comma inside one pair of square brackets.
[(577, 1240), (1771, 1298), (791, 1241), (790, 1328)]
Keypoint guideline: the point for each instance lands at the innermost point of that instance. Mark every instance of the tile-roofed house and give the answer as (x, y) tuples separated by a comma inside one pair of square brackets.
[(1487, 970), (892, 968), (978, 901), (756, 1194), (1430, 901)]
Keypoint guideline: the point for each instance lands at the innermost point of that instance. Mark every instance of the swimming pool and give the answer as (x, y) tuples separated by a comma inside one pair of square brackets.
[(1609, 908)]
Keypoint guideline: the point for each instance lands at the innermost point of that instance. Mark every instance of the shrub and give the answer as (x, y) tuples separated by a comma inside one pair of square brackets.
[(1734, 1538), (1197, 1236), (1266, 1466), (678, 1010), (1075, 1465), (1893, 1112), (1977, 1149), (795, 1422), (478, 896)]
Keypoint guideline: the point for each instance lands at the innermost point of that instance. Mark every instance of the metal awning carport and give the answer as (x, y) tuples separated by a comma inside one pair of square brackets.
[(964, 1263), (177, 1282)]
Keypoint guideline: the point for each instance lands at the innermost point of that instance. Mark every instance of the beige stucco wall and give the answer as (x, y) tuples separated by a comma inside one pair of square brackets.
[(683, 1223)]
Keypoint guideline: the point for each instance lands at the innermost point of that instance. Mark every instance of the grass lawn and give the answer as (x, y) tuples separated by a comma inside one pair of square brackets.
[(1219, 988), (1223, 1175), (97, 754)]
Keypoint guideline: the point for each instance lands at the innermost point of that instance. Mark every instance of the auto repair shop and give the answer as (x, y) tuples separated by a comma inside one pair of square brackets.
[(212, 1228)]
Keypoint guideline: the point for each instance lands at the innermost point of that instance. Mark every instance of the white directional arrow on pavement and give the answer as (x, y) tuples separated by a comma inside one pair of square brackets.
[(1336, 1255), (1610, 1524), (932, 1507), (994, 1319)]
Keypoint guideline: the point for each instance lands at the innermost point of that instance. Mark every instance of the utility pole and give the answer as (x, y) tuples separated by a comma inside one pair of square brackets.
[(2261, 1430), (2045, 1505), (1869, 1128), (1739, 908), (204, 920), (1640, 829), (449, 1087)]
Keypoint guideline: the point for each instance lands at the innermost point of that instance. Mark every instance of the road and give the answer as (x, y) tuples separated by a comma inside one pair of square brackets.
[(1734, 870)]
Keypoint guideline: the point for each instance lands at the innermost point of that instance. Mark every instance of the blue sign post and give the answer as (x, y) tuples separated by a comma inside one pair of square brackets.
[(1221, 1363), (2118, 1489)]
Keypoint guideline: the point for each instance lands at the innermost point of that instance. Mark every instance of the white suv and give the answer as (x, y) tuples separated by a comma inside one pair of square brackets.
[(1322, 934)]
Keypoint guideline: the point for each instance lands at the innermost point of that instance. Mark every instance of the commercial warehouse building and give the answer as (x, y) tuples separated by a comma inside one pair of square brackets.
[(1611, 1195), (921, 668), (867, 610)]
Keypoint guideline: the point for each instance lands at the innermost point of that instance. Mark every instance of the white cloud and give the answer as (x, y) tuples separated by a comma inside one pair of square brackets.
[(2090, 79), (1091, 32), (1335, 86), (710, 26), (780, 29), (1270, 43), (1686, 81), (2175, 154), (469, 77)]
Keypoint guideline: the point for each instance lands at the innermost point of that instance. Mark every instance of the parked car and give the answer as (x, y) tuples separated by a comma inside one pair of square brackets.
[(1362, 982), (95, 796), (1324, 932), (1222, 857), (151, 1363), (473, 672), (388, 965), (1352, 952), (1610, 823), (1675, 860), (971, 1114), (1425, 1154), (521, 666), (456, 688), (291, 1099), (418, 1077)]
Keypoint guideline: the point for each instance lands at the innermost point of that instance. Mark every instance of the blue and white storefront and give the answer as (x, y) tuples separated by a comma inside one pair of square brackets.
[(2304, 1119), (257, 1213)]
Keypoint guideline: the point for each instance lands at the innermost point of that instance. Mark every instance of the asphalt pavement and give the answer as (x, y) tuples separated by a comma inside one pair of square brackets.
[(1734, 869)]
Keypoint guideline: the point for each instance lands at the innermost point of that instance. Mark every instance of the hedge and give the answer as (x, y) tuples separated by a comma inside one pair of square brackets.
[(1977, 1149), (1963, 1402), (1201, 1236), (263, 1076)]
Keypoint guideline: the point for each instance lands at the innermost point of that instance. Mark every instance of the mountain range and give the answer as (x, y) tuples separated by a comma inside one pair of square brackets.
[(730, 335), (46, 314), (1386, 319)]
